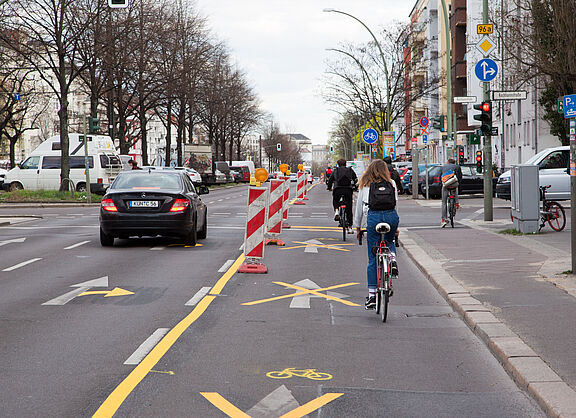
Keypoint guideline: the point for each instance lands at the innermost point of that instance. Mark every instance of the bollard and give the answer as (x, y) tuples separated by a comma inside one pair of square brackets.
[(255, 225)]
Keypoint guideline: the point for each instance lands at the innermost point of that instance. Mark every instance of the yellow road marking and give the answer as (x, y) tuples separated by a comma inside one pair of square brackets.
[(170, 372), (308, 244), (121, 392), (223, 405), (117, 291), (303, 293), (317, 293), (312, 406)]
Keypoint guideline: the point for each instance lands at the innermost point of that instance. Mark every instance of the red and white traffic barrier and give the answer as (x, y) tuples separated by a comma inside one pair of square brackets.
[(285, 224), (305, 188), (255, 226), (300, 189), (275, 212)]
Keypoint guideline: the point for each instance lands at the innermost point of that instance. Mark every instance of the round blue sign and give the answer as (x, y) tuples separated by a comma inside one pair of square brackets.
[(486, 69), (370, 136)]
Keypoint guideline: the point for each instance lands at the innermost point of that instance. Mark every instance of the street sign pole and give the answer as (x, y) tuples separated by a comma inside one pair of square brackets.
[(488, 201), (573, 193)]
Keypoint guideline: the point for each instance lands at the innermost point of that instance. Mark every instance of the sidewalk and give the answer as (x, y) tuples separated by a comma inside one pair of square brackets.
[(511, 293)]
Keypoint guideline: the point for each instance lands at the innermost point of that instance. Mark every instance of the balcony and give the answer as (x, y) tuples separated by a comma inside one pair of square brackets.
[(460, 69), (459, 17)]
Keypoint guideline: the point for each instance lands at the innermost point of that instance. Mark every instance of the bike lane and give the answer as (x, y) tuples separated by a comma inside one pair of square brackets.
[(298, 341)]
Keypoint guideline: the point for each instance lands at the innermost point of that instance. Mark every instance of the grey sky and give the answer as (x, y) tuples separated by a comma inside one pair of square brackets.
[(282, 47)]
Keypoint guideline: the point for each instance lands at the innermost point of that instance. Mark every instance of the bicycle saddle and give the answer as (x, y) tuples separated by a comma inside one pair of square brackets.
[(382, 228)]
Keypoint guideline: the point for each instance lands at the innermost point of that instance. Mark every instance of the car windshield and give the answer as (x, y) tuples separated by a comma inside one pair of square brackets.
[(147, 181), (536, 157)]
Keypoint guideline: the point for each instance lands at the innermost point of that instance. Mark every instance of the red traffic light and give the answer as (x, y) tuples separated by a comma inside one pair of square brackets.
[(479, 156), (485, 107)]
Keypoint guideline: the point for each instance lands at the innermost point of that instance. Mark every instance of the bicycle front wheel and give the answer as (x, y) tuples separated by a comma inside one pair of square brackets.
[(555, 216)]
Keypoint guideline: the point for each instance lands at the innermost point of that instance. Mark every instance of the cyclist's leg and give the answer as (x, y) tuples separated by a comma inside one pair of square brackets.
[(348, 199), (444, 203), (392, 219), (372, 240), (336, 203)]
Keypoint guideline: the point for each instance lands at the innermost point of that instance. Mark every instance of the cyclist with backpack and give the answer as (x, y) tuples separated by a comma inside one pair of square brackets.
[(377, 202), (342, 182), (451, 175)]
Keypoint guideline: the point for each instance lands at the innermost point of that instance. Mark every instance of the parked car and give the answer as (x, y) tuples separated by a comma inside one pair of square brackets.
[(293, 177), (153, 202), (225, 169), (553, 166), (193, 174), (236, 176), (244, 170), (2, 175), (472, 181), (220, 177)]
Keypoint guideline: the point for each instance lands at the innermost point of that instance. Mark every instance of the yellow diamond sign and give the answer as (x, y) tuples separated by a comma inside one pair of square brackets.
[(485, 45)]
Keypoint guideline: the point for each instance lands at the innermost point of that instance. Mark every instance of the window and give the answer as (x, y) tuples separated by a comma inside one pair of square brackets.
[(53, 162), (30, 163), (556, 159), (107, 161)]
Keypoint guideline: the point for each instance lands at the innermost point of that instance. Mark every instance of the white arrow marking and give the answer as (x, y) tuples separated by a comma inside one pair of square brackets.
[(312, 248), (303, 301), (11, 241), (276, 404), (81, 288)]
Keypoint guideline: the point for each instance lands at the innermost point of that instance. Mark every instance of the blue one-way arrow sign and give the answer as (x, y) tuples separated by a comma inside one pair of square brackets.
[(486, 69)]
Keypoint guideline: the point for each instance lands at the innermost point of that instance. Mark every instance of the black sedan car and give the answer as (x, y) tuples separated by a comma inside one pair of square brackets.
[(472, 181), (153, 202)]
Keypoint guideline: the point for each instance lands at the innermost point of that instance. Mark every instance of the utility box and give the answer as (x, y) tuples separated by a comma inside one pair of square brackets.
[(525, 198)]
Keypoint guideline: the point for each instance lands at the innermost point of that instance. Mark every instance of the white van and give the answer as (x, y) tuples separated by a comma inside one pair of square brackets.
[(553, 165), (41, 170), (249, 164)]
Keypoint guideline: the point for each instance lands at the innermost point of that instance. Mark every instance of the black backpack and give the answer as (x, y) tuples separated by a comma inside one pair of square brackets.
[(382, 196), (343, 177)]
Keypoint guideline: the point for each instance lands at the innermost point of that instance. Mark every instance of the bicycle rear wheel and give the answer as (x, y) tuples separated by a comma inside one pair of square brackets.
[(452, 211), (556, 217), (384, 298), (343, 222)]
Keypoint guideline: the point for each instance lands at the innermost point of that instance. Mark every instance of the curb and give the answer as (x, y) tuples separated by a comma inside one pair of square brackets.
[(526, 368)]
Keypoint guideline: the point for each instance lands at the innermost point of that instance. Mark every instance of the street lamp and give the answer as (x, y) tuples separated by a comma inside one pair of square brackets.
[(387, 115)]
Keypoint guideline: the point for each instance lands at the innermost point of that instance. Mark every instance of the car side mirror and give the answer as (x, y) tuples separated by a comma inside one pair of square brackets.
[(203, 189)]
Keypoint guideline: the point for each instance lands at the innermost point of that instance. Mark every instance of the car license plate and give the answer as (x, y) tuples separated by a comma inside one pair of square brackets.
[(143, 203)]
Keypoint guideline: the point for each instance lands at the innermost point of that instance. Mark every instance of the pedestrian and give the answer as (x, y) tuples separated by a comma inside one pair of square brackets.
[(343, 181), (377, 202), (134, 165), (451, 175)]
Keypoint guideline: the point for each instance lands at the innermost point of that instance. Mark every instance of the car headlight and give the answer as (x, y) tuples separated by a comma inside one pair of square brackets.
[(504, 180)]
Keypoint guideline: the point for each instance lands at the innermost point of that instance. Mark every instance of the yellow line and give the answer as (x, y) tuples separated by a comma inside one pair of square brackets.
[(312, 406), (256, 302), (223, 405), (121, 392), (227, 276), (317, 293)]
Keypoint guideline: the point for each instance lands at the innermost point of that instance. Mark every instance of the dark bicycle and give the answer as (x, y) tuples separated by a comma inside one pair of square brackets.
[(343, 221), (451, 205)]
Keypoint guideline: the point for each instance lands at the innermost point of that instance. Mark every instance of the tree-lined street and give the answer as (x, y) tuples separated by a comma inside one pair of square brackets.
[(221, 352)]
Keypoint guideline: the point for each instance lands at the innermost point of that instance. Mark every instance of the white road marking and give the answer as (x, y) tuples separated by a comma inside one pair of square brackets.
[(100, 282), (146, 346), (76, 245), (67, 297), (25, 263), (241, 248), (157, 248), (198, 296), (12, 241), (219, 200), (222, 213), (275, 404), (486, 260), (226, 266)]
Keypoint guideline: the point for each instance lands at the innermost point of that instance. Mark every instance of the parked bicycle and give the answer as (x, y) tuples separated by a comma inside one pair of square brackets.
[(383, 255), (551, 212)]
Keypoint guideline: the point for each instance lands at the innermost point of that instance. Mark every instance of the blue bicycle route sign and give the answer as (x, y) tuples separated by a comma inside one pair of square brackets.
[(370, 136), (569, 103), (486, 69)]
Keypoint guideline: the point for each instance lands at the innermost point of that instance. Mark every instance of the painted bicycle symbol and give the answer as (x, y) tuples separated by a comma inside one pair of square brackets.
[(292, 372)]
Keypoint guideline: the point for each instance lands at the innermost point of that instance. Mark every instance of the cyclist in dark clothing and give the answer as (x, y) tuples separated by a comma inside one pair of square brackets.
[(343, 182)]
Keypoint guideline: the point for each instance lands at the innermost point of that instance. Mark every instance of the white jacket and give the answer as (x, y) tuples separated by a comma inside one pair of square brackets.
[(361, 210)]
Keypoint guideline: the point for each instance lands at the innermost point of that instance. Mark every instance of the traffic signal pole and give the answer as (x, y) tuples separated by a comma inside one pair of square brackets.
[(488, 201)]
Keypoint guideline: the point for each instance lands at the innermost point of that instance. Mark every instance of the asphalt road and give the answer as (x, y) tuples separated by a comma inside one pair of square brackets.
[(65, 355)]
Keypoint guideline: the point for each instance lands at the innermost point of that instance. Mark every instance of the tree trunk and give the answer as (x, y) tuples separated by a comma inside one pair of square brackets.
[(180, 135), (64, 139), (168, 134), (143, 134)]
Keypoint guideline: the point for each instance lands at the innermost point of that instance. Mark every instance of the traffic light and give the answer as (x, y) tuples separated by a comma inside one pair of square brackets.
[(331, 149), (485, 117), (93, 125), (461, 154), (278, 147), (479, 161), (117, 4), (438, 123)]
